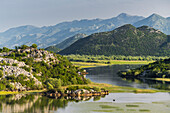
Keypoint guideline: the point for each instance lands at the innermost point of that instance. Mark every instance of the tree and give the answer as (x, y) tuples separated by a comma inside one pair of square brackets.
[(34, 46), (1, 73), (49, 86), (23, 47), (5, 49)]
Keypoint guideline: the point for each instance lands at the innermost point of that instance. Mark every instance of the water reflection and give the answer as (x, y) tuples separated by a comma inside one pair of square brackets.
[(36, 103), (151, 83), (108, 74)]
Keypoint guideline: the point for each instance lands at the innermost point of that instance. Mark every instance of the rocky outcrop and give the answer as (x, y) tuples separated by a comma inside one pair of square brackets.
[(16, 71), (12, 61)]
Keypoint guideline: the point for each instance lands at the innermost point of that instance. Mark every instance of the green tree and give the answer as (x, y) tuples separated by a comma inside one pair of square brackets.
[(1, 73), (34, 46)]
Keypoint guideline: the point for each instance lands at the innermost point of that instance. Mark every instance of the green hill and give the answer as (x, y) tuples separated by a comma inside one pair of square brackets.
[(158, 69), (125, 40), (53, 48), (66, 43), (70, 41), (26, 68)]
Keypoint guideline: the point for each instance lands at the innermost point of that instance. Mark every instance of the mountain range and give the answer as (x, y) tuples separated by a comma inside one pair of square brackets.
[(66, 43), (126, 40), (52, 35)]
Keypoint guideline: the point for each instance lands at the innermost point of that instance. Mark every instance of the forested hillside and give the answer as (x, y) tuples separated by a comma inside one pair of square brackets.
[(158, 69), (125, 40), (25, 68)]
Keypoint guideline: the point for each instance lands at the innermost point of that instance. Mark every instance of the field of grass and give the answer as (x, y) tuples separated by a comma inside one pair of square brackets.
[(112, 62)]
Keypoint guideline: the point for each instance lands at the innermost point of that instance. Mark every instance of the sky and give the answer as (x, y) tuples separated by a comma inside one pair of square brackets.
[(14, 13)]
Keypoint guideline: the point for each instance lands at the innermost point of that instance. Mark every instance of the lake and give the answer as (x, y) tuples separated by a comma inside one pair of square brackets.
[(108, 74), (124, 102)]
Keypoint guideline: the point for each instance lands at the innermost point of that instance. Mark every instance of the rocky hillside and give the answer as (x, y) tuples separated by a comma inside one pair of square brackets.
[(126, 40), (26, 68)]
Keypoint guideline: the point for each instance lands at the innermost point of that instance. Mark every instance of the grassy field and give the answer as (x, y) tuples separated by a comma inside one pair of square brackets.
[(112, 62)]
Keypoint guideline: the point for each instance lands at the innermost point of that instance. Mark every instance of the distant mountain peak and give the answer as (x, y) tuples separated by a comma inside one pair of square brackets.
[(123, 15), (126, 26), (155, 16)]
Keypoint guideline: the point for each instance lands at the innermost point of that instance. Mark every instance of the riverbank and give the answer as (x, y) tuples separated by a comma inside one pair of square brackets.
[(120, 89), (109, 87), (18, 92), (111, 62)]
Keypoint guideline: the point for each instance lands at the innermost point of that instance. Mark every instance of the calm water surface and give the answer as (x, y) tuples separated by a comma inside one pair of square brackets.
[(124, 103), (109, 75)]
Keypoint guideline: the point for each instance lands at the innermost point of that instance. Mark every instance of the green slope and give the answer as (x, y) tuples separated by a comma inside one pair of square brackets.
[(125, 40), (158, 69), (32, 68), (66, 43)]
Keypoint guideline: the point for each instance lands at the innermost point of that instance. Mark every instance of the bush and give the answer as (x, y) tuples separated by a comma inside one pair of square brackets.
[(2, 87), (14, 64), (1, 73), (34, 46), (49, 86), (54, 82)]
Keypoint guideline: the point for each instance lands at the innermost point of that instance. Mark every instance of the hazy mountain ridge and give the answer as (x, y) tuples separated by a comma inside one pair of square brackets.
[(66, 43), (52, 35), (156, 21)]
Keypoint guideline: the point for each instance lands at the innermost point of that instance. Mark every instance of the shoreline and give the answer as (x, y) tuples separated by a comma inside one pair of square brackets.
[(109, 87)]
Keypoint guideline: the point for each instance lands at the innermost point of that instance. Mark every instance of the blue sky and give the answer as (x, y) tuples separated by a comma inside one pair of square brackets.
[(15, 13)]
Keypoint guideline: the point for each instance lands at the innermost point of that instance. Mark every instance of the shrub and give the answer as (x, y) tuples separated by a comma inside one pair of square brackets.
[(14, 64)]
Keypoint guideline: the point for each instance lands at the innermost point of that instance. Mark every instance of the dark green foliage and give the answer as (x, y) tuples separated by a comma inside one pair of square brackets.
[(53, 48), (4, 49), (2, 87), (126, 40), (26, 68), (158, 69), (53, 83), (14, 64), (1, 73), (34, 46), (23, 47), (104, 59), (65, 71)]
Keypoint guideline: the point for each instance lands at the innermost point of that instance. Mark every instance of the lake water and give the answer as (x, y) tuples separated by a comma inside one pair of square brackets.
[(109, 75), (124, 102)]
